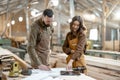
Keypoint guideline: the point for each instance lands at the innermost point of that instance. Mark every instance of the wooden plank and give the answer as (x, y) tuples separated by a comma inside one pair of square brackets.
[(104, 52), (22, 63), (112, 45), (102, 74), (114, 54), (13, 49), (103, 62)]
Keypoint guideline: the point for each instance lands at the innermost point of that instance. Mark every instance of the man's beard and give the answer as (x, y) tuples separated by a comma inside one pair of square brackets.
[(47, 25)]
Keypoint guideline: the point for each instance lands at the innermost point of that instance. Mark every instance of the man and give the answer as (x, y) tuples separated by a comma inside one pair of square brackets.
[(39, 41)]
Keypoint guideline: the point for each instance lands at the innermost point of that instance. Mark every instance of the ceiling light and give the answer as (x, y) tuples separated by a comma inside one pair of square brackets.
[(89, 17), (20, 19), (8, 24), (117, 15), (69, 20), (13, 22), (54, 23), (55, 2), (34, 12)]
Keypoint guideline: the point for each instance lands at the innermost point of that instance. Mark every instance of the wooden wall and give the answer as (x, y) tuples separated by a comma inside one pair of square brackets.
[(19, 28), (2, 22), (112, 45)]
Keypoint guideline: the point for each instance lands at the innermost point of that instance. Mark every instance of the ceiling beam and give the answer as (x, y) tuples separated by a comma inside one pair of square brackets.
[(97, 5), (13, 7), (113, 7)]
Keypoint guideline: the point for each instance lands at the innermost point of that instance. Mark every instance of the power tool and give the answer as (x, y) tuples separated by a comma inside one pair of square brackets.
[(15, 69), (80, 69), (75, 71)]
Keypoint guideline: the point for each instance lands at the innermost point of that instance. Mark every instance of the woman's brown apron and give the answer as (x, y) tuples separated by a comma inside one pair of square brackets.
[(81, 60)]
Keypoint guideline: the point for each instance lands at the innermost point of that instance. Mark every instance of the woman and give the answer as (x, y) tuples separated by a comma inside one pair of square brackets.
[(75, 43)]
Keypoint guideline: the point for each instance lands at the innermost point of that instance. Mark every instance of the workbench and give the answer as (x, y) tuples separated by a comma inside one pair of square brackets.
[(54, 74)]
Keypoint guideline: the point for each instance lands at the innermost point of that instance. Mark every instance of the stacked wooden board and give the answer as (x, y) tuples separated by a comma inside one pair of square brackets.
[(22, 63)]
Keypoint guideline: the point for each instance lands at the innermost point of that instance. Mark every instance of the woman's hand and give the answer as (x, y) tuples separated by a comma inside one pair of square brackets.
[(72, 51), (44, 67), (69, 65)]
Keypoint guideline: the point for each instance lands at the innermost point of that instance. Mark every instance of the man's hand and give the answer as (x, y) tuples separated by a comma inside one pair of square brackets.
[(69, 65), (44, 67)]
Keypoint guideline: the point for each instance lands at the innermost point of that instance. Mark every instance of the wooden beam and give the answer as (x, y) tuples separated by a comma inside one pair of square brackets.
[(91, 8), (104, 24), (113, 7), (97, 5), (22, 63), (46, 3), (27, 16)]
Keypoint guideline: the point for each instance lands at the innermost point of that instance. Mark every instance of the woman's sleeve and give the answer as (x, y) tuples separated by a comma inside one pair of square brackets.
[(65, 46), (31, 46)]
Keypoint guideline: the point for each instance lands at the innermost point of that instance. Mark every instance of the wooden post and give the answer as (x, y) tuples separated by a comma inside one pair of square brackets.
[(46, 3), (119, 38), (27, 17), (59, 23), (104, 24)]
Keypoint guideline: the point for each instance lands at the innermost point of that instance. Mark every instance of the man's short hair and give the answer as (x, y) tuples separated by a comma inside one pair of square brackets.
[(48, 12)]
